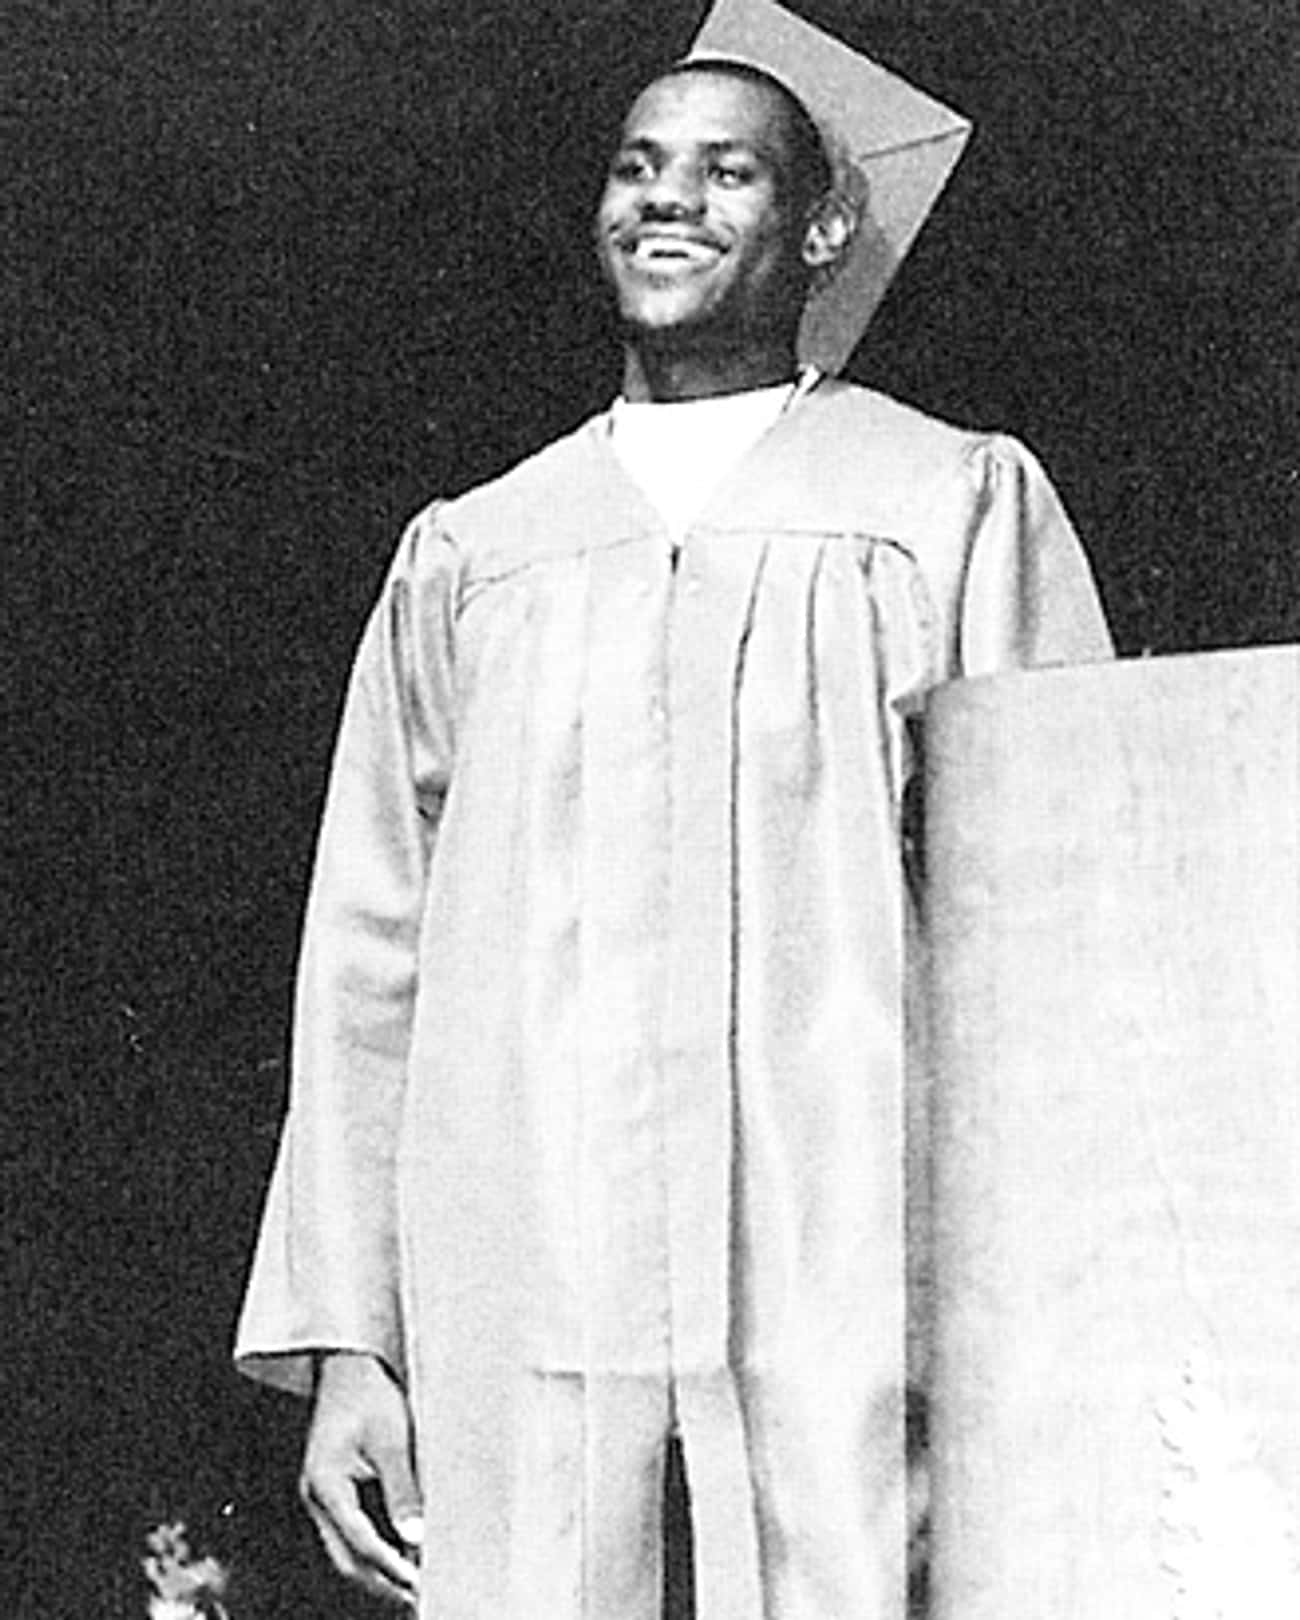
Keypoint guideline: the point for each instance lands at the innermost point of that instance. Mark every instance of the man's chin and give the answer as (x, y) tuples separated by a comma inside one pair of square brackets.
[(661, 314), (667, 326), (668, 323)]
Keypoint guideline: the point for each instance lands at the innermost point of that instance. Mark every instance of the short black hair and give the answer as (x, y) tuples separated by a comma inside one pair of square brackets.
[(813, 174)]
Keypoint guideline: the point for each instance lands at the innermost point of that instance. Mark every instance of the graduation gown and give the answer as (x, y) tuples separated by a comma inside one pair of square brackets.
[(597, 1116)]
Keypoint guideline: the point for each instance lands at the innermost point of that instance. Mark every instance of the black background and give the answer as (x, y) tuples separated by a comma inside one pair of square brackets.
[(277, 273)]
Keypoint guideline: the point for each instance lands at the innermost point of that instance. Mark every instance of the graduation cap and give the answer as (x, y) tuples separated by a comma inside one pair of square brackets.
[(892, 148)]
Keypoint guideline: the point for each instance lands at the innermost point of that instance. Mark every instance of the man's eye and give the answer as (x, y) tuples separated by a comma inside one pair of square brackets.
[(732, 174), (629, 167)]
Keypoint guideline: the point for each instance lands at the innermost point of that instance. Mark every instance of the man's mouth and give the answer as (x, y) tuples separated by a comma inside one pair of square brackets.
[(663, 250)]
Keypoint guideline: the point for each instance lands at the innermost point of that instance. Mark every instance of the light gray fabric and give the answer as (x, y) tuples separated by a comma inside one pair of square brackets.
[(597, 1112)]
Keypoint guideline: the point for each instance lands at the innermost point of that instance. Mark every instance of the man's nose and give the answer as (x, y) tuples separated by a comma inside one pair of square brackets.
[(675, 191)]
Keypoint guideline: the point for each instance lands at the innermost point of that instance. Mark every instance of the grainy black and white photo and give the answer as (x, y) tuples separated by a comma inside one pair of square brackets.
[(652, 673)]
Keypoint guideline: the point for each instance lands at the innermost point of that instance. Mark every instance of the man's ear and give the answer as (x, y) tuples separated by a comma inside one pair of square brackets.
[(828, 233)]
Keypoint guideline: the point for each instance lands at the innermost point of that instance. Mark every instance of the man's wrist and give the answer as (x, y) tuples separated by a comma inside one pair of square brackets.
[(338, 1364)]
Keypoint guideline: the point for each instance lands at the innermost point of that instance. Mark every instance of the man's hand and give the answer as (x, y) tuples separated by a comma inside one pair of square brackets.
[(360, 1433)]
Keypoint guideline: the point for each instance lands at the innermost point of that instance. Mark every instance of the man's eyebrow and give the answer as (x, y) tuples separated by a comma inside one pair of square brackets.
[(736, 144), (715, 148)]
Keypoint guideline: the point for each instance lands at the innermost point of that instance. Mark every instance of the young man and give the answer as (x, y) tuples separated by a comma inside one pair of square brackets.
[(597, 1128)]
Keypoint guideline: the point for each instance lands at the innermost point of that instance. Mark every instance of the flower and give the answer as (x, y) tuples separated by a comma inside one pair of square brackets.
[(182, 1586)]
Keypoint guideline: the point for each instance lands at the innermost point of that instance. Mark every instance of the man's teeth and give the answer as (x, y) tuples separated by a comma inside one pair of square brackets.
[(673, 247)]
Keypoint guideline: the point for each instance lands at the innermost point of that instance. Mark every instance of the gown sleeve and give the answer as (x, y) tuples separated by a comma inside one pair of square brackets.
[(1028, 596), (1021, 596), (325, 1271)]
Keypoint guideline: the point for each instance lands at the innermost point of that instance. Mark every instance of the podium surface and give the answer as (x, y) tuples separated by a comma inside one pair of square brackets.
[(1112, 911)]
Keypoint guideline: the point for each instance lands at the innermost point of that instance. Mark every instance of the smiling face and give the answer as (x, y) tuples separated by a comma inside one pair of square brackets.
[(701, 229)]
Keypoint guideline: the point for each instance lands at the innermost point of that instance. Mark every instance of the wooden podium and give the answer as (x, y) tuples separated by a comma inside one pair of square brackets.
[(1112, 910)]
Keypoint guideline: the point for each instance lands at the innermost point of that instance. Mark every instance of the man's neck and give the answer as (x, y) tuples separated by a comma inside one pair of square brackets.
[(662, 375)]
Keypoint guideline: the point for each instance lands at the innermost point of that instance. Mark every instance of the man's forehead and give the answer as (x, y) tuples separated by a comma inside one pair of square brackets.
[(710, 107)]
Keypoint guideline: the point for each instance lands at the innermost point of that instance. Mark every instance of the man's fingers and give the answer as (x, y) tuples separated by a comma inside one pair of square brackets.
[(354, 1544), (340, 1555), (358, 1478), (401, 1495), (410, 1526)]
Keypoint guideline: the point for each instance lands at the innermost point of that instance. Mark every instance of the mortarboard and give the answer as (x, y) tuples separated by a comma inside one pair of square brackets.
[(893, 148)]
